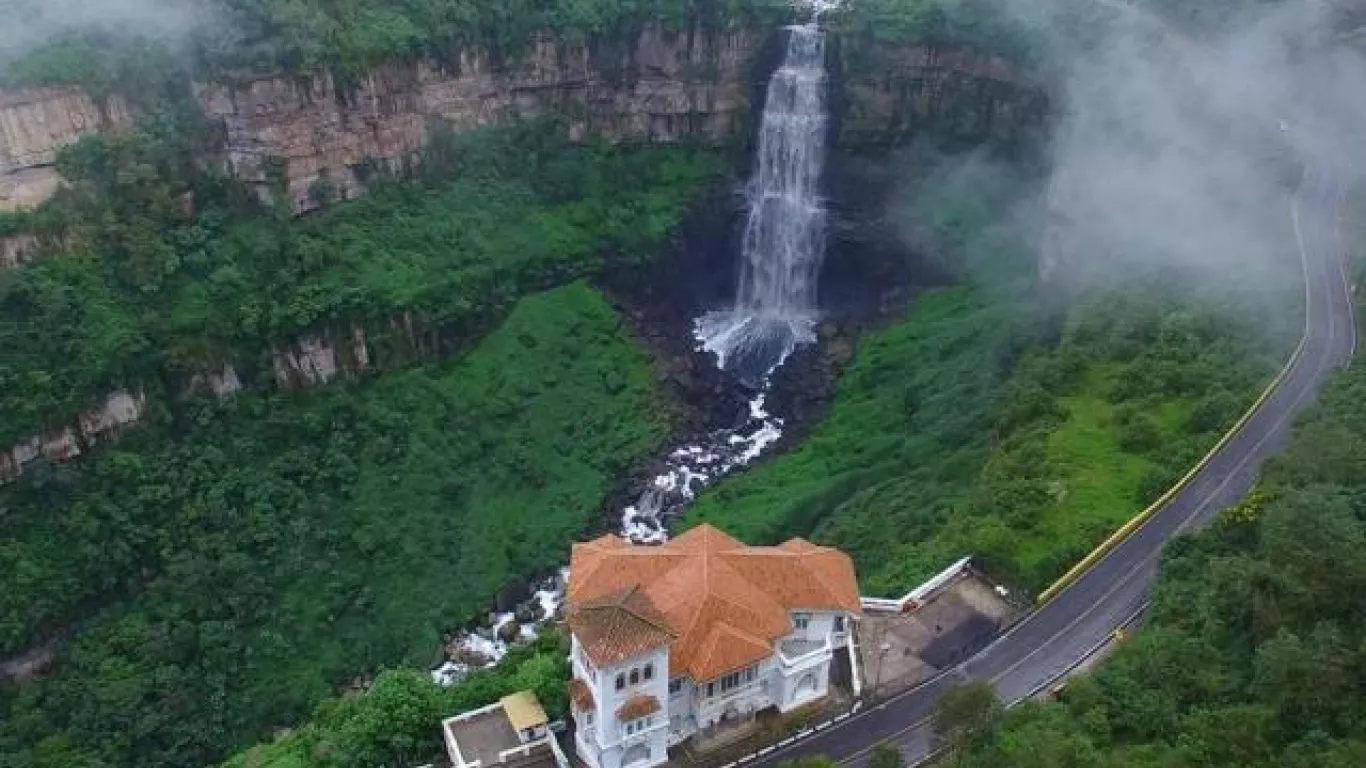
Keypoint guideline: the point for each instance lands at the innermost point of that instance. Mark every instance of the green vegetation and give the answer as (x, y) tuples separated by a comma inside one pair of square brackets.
[(1251, 654), (886, 755), (227, 578), (986, 422), (149, 290), (867, 24), (311, 33), (965, 713), (347, 37), (396, 721)]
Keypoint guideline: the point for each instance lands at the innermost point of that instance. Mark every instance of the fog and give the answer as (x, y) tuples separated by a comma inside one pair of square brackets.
[(30, 23), (1172, 153)]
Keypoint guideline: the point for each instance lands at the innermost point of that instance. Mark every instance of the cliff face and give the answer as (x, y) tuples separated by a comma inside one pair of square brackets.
[(890, 95), (656, 86), (662, 87), (34, 124)]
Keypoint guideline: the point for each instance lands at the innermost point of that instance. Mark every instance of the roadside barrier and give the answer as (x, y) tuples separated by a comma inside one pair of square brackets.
[(1139, 520)]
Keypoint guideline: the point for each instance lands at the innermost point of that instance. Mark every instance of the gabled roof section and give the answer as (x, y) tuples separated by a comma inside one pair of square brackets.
[(727, 648), (581, 695), (723, 604), (637, 706), (618, 626)]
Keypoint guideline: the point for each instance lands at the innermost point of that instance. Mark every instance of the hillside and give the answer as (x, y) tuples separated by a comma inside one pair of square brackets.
[(324, 325)]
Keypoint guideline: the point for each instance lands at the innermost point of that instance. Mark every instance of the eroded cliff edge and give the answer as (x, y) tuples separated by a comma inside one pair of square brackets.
[(658, 85)]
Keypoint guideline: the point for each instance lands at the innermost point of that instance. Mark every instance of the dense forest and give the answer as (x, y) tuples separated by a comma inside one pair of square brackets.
[(226, 565), (224, 574)]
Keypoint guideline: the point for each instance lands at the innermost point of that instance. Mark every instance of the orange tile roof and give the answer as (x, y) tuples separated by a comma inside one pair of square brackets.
[(580, 694), (637, 706), (617, 625), (722, 604)]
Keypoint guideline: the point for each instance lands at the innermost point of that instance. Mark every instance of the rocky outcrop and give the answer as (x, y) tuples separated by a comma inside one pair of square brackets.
[(17, 249), (661, 87), (34, 124), (119, 409)]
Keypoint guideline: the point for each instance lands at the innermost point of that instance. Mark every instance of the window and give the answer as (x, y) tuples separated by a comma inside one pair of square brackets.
[(839, 623), (801, 621), (649, 672), (621, 681), (588, 718), (676, 685), (639, 724), (735, 679), (635, 676)]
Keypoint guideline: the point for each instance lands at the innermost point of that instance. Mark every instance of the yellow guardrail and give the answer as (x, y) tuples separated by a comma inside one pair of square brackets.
[(1139, 520)]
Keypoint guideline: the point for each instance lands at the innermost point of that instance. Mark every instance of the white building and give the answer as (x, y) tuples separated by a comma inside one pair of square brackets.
[(691, 636)]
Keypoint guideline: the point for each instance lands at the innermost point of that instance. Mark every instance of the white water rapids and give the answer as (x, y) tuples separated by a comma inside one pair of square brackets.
[(774, 312)]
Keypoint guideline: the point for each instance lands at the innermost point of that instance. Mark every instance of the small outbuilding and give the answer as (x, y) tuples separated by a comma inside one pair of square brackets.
[(513, 732)]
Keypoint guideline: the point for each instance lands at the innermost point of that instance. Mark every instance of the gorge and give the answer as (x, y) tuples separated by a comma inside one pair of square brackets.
[(359, 315)]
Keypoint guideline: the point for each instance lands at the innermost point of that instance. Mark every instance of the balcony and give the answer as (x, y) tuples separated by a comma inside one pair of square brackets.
[(801, 651)]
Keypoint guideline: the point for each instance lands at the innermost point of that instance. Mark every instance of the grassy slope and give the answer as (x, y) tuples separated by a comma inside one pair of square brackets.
[(288, 542), (908, 422)]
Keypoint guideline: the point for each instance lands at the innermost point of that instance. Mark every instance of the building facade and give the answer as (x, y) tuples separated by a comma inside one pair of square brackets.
[(698, 634)]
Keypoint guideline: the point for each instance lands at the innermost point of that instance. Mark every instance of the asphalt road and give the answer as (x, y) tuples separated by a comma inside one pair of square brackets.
[(1065, 631)]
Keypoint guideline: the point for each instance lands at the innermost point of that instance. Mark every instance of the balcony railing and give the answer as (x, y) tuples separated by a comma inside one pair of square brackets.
[(797, 650)]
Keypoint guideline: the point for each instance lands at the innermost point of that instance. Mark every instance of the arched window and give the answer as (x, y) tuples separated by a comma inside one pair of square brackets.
[(621, 681), (635, 676), (649, 672)]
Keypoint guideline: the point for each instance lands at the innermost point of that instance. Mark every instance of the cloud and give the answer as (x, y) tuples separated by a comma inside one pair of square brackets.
[(1170, 153), (1179, 153), (30, 23)]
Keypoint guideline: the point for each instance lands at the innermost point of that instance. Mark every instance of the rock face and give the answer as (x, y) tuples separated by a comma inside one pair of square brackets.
[(16, 249), (654, 85), (661, 87), (890, 95), (117, 410), (34, 124)]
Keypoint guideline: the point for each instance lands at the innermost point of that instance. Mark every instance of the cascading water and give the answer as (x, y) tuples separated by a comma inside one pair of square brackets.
[(784, 239), (775, 310), (775, 306)]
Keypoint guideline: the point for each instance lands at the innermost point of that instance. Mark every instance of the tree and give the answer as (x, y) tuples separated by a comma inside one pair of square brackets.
[(886, 755), (967, 715)]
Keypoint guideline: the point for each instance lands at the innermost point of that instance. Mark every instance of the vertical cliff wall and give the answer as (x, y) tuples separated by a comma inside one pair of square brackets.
[(34, 124), (661, 86), (889, 95)]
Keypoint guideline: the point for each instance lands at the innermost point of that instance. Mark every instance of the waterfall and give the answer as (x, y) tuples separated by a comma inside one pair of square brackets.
[(775, 310), (784, 238), (775, 305)]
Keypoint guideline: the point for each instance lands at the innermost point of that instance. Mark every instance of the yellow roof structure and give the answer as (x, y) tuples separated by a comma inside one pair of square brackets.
[(523, 710)]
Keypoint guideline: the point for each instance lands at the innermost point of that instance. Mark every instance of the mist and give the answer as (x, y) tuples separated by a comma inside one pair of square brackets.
[(29, 24), (1172, 154)]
